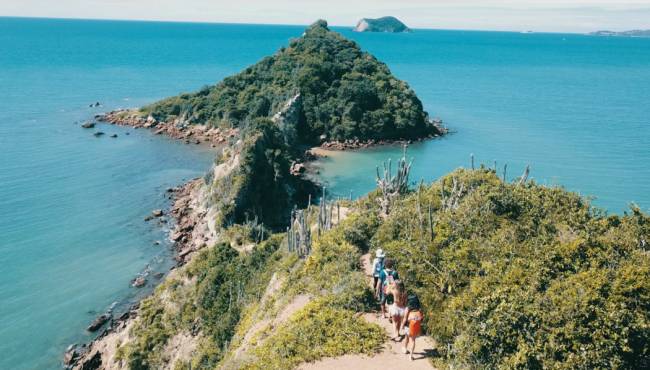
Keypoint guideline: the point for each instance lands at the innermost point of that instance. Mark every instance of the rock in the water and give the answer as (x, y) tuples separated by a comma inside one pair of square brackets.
[(98, 134), (383, 24), (70, 355), (158, 275), (88, 125), (157, 213), (139, 282), (114, 135), (297, 168), (99, 322)]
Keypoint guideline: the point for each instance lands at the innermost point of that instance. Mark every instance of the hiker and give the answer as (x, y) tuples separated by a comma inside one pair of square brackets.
[(413, 317), (387, 278), (377, 266), (397, 310)]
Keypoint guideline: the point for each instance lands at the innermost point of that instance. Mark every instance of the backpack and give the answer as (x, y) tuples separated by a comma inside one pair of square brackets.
[(378, 266), (390, 279)]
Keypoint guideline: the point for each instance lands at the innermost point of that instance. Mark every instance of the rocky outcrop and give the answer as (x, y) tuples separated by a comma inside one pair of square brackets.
[(289, 117), (99, 322), (383, 24), (177, 128)]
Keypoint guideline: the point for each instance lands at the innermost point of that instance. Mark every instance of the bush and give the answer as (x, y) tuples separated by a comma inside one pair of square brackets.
[(525, 276)]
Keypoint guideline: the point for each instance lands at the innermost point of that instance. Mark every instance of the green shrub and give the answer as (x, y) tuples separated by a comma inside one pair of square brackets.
[(525, 276), (321, 329)]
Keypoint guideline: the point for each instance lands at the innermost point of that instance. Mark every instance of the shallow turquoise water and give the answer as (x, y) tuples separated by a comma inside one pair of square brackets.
[(71, 231)]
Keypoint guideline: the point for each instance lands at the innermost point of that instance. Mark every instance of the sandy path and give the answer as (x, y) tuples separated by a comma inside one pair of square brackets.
[(391, 356)]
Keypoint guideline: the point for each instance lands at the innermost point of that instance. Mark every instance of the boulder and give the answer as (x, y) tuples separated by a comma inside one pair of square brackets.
[(98, 134), (88, 125), (139, 282), (70, 356), (114, 135), (99, 322), (157, 213), (92, 362), (177, 236)]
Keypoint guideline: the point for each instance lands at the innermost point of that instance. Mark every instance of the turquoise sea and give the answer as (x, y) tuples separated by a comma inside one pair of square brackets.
[(72, 234)]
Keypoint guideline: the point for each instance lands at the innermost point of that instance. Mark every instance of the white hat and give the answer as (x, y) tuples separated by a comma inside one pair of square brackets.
[(379, 253)]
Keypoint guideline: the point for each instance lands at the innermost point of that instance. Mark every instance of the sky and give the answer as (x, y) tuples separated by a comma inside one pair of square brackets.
[(511, 15)]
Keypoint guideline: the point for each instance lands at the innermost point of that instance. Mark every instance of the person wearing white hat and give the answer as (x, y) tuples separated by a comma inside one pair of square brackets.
[(377, 267)]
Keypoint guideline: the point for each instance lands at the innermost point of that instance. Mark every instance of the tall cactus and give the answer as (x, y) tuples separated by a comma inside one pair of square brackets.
[(299, 234), (393, 186)]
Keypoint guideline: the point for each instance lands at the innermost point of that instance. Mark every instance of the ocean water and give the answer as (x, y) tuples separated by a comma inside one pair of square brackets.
[(71, 231), (575, 108)]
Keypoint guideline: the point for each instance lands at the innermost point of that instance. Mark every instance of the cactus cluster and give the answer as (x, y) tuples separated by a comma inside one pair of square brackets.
[(392, 186)]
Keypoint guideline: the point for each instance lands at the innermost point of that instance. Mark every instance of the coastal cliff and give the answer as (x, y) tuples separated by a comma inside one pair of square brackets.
[(383, 24)]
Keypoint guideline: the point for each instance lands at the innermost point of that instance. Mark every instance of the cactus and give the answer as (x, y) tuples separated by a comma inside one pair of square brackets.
[(524, 176), (450, 200), (299, 234), (393, 186)]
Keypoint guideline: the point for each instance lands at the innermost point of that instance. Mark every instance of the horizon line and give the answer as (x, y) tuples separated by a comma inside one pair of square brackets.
[(285, 24)]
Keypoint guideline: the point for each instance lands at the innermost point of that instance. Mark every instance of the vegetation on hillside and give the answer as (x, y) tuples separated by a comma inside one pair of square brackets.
[(346, 93), (523, 276), (510, 276), (213, 300)]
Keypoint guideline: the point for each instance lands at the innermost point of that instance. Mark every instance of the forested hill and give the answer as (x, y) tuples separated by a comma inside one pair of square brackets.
[(344, 93)]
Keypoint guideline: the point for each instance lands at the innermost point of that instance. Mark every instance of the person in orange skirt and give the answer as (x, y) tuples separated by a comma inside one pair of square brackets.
[(413, 316)]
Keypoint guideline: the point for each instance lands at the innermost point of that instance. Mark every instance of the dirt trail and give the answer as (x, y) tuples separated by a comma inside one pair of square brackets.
[(390, 357)]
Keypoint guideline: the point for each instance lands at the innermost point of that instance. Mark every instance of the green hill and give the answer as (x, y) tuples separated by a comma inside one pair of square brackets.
[(344, 93)]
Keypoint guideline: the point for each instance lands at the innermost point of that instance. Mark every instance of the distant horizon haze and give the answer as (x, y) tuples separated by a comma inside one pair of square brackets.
[(573, 16)]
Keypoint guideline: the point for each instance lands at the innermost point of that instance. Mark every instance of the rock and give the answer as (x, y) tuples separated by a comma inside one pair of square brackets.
[(114, 135), (158, 275), (148, 218), (177, 236), (88, 125), (70, 356), (99, 322), (297, 168), (98, 134), (93, 362), (139, 282), (157, 213), (127, 133)]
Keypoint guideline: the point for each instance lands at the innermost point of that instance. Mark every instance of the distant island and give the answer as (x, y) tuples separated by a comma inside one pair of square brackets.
[(631, 33), (383, 24)]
